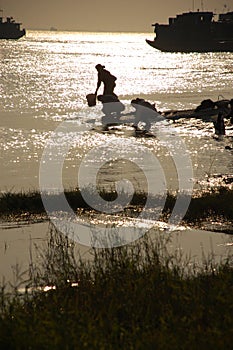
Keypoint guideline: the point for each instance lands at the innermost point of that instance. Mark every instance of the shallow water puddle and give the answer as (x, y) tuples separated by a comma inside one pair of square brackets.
[(18, 244)]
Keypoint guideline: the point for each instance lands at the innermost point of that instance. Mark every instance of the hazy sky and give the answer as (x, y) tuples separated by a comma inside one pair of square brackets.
[(102, 15)]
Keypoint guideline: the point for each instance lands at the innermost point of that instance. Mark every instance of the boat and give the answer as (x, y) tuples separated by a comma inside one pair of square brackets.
[(9, 29), (195, 32)]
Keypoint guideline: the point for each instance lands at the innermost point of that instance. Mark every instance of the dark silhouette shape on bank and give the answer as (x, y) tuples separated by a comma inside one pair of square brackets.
[(205, 104)]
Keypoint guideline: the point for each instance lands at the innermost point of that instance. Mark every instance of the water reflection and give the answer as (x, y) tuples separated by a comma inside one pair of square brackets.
[(46, 76)]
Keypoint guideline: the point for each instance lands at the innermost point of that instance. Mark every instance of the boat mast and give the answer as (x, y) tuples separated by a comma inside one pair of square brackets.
[(202, 6)]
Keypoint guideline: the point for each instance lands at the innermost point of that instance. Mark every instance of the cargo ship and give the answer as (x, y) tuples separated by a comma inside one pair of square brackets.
[(195, 32), (9, 29)]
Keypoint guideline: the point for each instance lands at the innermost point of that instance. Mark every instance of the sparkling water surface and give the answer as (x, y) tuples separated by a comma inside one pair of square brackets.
[(46, 76)]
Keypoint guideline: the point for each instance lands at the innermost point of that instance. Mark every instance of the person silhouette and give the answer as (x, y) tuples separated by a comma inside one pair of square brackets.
[(230, 115), (219, 125), (105, 77)]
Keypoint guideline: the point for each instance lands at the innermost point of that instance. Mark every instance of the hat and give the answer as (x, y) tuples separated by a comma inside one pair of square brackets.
[(99, 66)]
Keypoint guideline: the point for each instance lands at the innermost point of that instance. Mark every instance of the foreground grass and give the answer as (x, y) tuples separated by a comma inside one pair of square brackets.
[(133, 297), (217, 203)]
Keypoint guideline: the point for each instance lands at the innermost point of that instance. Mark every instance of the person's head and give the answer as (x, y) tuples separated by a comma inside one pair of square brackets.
[(99, 67), (231, 103)]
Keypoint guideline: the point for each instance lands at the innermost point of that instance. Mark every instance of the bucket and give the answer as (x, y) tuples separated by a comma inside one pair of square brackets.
[(91, 100)]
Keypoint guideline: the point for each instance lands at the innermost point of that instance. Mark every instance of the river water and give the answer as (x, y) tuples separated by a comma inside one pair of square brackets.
[(45, 78)]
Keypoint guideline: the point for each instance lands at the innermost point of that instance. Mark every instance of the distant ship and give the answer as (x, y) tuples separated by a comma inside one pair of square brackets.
[(9, 29), (195, 32)]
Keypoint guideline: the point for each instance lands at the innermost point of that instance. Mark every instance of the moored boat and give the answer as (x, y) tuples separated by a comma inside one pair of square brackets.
[(9, 29), (195, 32)]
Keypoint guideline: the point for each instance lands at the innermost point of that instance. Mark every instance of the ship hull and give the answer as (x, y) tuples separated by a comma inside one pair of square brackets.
[(12, 35), (220, 46)]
